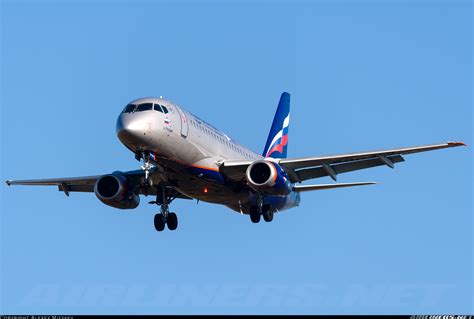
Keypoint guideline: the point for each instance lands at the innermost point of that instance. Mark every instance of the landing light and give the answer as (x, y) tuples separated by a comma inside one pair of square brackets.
[(205, 190)]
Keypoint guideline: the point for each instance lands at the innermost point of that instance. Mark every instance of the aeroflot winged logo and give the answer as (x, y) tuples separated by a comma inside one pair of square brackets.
[(280, 141), (277, 142)]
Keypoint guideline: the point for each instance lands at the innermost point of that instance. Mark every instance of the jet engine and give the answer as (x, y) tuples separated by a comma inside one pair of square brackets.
[(268, 177), (115, 190)]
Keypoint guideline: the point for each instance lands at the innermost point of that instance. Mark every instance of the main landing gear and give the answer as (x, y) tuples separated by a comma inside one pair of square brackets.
[(165, 217), (261, 210), (165, 194)]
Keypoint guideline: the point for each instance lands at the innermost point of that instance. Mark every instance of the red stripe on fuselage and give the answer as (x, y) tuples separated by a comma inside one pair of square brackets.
[(215, 169)]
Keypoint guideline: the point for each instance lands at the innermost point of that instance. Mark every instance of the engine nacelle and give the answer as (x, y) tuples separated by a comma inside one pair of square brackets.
[(268, 177), (114, 190)]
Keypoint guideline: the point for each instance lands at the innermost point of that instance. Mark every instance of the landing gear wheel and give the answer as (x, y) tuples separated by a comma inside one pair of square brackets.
[(165, 194), (172, 221), (160, 222), (254, 215), (267, 213)]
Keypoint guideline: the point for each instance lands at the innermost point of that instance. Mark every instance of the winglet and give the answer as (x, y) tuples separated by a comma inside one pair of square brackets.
[(456, 144)]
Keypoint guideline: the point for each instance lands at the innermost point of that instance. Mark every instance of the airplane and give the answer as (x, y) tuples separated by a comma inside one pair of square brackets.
[(184, 157)]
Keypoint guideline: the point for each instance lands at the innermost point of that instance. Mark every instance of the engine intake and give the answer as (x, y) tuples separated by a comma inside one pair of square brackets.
[(115, 190), (268, 177), (262, 173)]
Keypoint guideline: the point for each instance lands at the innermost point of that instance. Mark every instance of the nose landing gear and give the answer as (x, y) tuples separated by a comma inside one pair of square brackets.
[(147, 167)]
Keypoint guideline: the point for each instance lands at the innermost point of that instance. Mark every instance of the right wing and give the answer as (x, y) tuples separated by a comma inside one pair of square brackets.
[(67, 184), (77, 184), (87, 183)]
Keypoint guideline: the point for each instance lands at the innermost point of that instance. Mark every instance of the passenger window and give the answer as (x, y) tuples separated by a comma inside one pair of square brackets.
[(129, 108), (157, 107), (164, 109), (144, 107)]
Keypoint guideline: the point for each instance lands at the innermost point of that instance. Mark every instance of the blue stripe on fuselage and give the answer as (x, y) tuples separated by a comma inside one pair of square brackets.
[(206, 174)]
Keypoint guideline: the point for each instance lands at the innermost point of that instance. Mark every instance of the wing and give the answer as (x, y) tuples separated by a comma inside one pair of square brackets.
[(87, 183), (301, 169), (306, 188), (67, 184)]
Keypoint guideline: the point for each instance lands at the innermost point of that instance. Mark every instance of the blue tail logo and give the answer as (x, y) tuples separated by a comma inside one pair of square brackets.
[(277, 142)]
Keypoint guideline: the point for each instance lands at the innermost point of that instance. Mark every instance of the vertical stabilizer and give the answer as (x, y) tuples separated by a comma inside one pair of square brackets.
[(277, 141)]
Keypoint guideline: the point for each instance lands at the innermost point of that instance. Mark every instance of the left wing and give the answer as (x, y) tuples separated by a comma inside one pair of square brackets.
[(306, 188), (301, 169)]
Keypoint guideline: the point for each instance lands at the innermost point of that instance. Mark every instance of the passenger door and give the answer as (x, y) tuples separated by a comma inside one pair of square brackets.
[(184, 123)]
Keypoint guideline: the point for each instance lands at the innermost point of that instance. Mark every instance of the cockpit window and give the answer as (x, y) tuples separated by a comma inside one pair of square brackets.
[(144, 107), (129, 108), (158, 108), (165, 109)]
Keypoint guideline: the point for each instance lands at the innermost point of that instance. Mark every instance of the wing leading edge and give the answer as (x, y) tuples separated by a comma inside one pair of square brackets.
[(301, 169)]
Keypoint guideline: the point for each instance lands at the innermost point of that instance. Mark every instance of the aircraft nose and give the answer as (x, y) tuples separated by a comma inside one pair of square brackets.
[(130, 129)]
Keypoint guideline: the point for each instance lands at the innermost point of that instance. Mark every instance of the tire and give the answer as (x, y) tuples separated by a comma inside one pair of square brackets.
[(267, 213), (172, 221), (254, 215), (159, 222)]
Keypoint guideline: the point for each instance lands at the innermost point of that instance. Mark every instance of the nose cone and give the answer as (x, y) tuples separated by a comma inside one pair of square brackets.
[(132, 130)]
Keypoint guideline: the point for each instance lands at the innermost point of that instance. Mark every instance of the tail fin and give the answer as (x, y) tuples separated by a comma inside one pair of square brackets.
[(277, 141)]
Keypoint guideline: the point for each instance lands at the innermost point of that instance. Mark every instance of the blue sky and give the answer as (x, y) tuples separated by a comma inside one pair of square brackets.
[(363, 76)]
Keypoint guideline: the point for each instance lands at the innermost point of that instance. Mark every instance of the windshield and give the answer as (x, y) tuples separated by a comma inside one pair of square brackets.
[(161, 108), (158, 108), (144, 107), (129, 108)]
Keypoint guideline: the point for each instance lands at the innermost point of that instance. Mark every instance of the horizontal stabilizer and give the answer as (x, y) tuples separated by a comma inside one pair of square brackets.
[(306, 188)]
